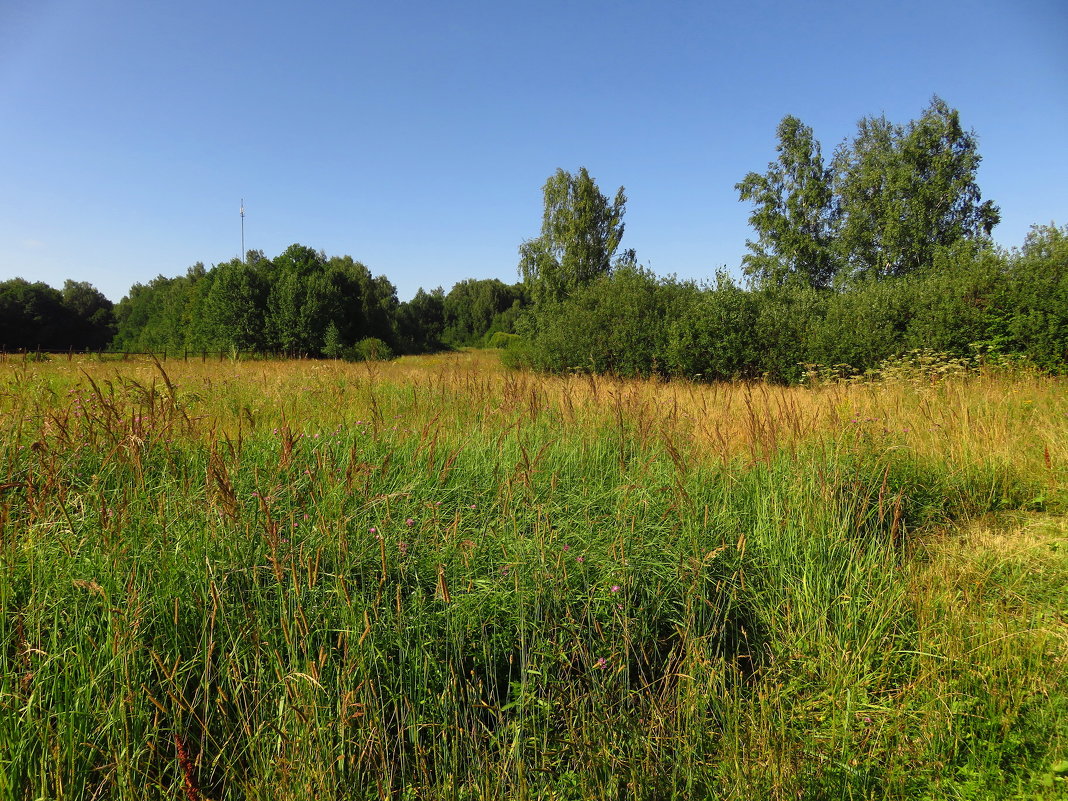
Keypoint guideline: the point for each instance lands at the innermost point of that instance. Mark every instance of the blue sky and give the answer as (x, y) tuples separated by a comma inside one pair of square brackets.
[(416, 136)]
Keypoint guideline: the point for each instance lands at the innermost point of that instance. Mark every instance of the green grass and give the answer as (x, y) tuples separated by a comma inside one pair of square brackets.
[(437, 580)]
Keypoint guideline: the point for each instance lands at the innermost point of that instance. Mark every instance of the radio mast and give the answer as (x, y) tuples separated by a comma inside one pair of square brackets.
[(242, 230)]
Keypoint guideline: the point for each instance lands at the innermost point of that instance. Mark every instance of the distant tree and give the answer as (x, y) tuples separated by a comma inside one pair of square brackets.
[(362, 305), (92, 324), (892, 197), (380, 309), (290, 304), (33, 316), (145, 317), (421, 321), (580, 233), (333, 346), (1033, 310), (196, 325), (295, 320), (793, 213), (903, 192), (474, 308), (84, 299), (235, 306)]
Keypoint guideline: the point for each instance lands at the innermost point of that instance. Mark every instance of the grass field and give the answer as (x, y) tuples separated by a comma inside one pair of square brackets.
[(435, 578)]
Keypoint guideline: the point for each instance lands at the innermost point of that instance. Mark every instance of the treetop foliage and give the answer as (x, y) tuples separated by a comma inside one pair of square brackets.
[(883, 249), (793, 212), (581, 230), (36, 316), (305, 302), (890, 199)]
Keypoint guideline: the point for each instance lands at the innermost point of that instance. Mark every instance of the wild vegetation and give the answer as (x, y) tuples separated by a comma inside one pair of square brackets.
[(974, 304), (435, 578), (34, 316), (885, 250), (802, 537), (881, 250)]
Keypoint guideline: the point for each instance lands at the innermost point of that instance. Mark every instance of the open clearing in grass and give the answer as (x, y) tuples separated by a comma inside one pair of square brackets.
[(440, 579)]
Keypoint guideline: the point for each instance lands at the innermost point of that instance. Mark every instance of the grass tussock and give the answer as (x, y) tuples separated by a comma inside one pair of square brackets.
[(437, 579)]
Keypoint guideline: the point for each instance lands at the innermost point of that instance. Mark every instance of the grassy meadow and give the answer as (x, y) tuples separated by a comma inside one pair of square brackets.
[(438, 579)]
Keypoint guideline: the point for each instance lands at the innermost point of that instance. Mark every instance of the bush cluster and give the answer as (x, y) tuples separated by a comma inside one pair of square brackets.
[(973, 301)]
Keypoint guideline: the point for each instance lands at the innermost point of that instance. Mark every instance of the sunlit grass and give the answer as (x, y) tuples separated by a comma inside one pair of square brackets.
[(439, 578)]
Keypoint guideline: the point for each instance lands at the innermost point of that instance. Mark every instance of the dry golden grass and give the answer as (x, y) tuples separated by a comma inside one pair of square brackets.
[(1016, 420), (885, 662)]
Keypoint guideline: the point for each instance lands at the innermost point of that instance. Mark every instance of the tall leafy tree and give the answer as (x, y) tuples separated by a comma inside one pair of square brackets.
[(235, 306), (893, 197), (793, 213), (365, 304), (93, 323), (421, 321), (152, 315), (904, 192), (580, 232), (32, 316), (294, 313), (197, 330)]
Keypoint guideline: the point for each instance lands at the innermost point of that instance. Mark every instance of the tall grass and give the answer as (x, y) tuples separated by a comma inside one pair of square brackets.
[(437, 579)]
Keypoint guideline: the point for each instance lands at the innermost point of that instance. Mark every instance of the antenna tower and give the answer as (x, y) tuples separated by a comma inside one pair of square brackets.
[(242, 230)]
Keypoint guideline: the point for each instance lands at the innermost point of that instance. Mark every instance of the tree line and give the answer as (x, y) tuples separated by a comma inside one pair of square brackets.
[(298, 303), (883, 248), (35, 316), (303, 302), (971, 302)]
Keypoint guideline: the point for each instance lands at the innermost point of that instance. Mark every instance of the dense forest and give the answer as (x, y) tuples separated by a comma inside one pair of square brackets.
[(304, 303), (37, 317), (300, 303), (882, 249)]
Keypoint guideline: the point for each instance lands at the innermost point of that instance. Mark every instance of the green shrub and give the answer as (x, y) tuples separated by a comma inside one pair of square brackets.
[(372, 349), (617, 324), (502, 340), (864, 325), (786, 317), (714, 337)]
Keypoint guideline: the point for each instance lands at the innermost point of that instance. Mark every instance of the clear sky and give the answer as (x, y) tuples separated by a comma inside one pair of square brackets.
[(416, 136)]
